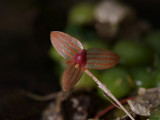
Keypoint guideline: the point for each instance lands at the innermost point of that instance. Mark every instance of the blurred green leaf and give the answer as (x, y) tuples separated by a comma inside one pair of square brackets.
[(153, 39), (133, 54), (81, 14), (142, 77), (118, 81)]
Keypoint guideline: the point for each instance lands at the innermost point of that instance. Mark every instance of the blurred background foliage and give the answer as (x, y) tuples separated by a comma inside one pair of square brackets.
[(131, 28)]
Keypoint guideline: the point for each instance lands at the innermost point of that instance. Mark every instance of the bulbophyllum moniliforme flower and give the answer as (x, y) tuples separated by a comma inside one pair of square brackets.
[(79, 59)]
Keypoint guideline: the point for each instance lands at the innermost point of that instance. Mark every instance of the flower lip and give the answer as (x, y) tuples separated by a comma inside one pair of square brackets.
[(80, 58)]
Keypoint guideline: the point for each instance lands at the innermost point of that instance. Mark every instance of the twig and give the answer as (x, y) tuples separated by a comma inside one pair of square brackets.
[(38, 97), (111, 107), (106, 90)]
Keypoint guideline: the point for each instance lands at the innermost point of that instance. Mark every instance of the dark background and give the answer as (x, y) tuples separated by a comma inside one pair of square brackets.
[(24, 43)]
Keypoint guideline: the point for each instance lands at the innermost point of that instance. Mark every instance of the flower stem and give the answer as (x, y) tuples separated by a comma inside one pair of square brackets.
[(107, 91)]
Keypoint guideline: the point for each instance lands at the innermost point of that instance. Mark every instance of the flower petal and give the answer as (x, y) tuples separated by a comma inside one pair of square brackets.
[(101, 59), (65, 45), (71, 76)]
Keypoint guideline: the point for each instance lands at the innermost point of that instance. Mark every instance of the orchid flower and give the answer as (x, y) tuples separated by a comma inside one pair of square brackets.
[(79, 60)]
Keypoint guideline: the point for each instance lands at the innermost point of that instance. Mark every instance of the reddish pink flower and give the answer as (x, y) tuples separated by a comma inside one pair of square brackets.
[(79, 59)]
